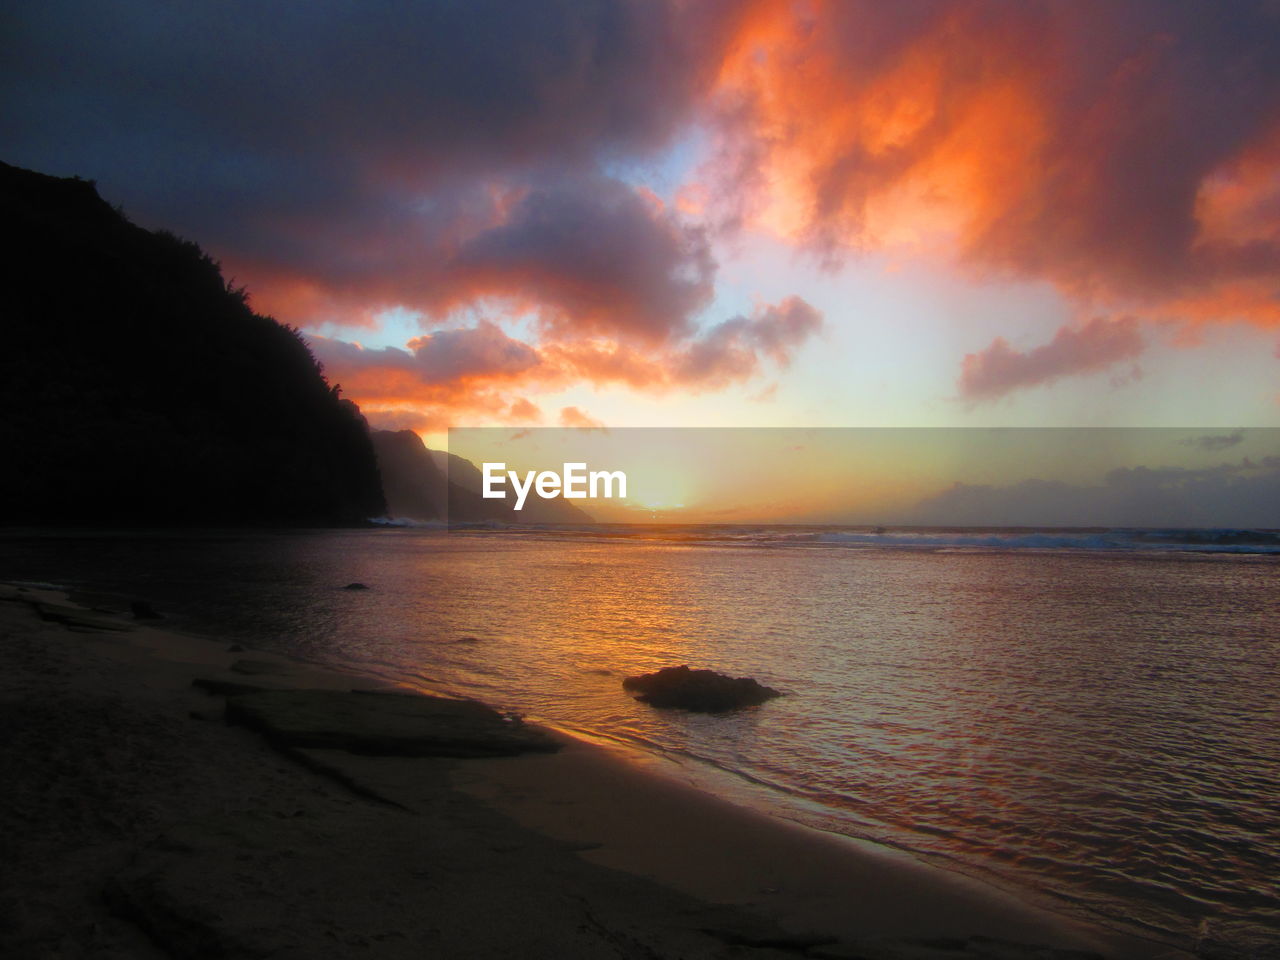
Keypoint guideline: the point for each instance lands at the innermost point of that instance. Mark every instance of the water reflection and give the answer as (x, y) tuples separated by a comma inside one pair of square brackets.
[(1100, 726)]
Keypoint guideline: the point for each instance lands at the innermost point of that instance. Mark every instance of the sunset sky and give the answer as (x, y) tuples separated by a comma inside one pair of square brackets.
[(756, 213), (1081, 477)]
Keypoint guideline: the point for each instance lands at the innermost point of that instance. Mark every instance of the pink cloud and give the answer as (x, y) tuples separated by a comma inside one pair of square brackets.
[(1074, 350)]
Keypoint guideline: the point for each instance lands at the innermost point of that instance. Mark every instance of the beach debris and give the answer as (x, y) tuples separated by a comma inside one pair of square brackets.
[(142, 610), (378, 723), (357, 585), (704, 691)]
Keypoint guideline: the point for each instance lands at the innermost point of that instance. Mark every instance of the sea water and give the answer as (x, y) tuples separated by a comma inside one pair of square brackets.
[(1085, 717)]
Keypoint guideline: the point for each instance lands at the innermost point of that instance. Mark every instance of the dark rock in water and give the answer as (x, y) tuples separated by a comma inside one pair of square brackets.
[(356, 586), (702, 690), (235, 648), (385, 724), (142, 610)]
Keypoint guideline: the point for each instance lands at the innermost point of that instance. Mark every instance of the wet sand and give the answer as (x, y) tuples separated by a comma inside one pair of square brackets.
[(135, 822)]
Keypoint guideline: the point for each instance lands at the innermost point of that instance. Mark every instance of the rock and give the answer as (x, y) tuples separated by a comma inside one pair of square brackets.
[(702, 690), (356, 586), (142, 610), (79, 618), (235, 648), (376, 723)]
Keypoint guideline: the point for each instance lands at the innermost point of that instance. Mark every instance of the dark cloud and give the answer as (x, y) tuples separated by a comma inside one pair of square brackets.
[(403, 90), (1243, 494), (1214, 442), (598, 257), (336, 155)]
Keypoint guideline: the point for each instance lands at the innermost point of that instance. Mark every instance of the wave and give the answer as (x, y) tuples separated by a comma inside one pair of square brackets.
[(1196, 540), (407, 522), (938, 539)]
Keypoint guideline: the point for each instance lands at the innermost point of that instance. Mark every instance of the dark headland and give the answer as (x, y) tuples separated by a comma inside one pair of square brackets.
[(139, 388)]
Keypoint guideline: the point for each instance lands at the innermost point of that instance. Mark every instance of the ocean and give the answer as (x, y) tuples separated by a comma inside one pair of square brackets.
[(1089, 718)]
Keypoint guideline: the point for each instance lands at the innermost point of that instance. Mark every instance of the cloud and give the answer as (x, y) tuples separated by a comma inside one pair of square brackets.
[(437, 378), (573, 417), (480, 352), (999, 369), (483, 351), (584, 255), (731, 350), (345, 159), (1125, 152), (1214, 442), (1243, 494), (597, 257), (524, 411), (482, 370), (224, 105)]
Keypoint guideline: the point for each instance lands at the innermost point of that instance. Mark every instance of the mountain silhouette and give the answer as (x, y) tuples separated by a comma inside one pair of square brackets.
[(140, 389)]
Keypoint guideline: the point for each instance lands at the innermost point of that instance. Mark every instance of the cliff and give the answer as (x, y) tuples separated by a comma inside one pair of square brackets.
[(423, 484), (140, 389), (415, 489)]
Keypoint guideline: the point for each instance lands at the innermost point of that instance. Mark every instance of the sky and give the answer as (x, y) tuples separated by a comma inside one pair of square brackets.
[(754, 214), (989, 477)]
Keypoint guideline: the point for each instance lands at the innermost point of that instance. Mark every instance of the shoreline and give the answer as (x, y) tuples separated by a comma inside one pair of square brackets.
[(624, 839)]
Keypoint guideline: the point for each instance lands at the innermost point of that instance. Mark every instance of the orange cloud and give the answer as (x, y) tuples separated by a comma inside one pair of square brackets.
[(573, 417), (478, 372), (1126, 153)]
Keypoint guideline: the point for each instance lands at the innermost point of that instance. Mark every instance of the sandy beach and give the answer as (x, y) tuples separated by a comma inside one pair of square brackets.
[(137, 822)]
